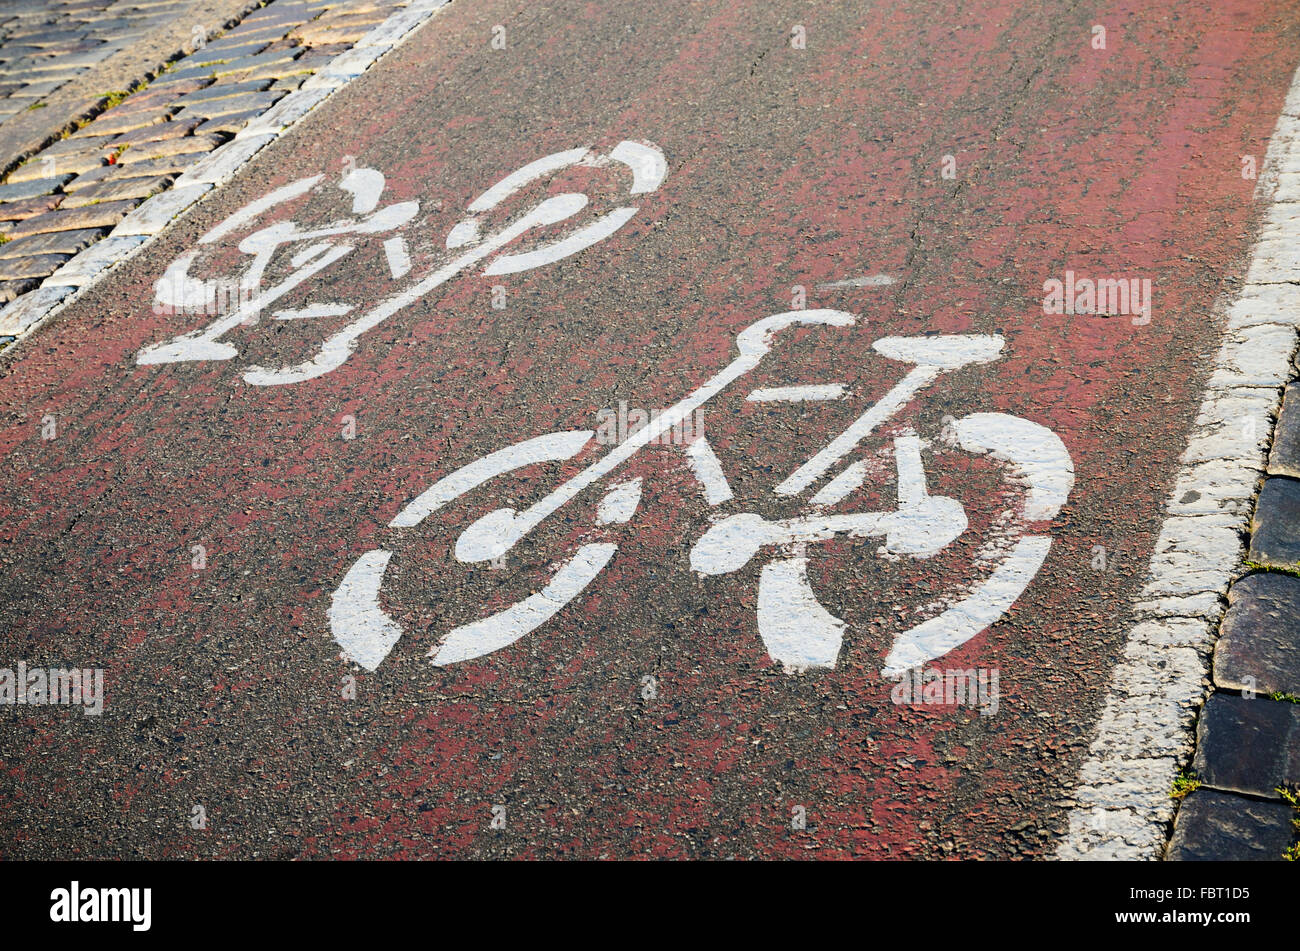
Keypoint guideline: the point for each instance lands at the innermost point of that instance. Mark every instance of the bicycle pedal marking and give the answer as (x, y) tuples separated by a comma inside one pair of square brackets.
[(796, 629), (178, 290)]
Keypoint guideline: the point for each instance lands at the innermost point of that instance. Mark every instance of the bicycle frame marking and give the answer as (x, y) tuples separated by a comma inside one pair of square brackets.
[(497, 532)]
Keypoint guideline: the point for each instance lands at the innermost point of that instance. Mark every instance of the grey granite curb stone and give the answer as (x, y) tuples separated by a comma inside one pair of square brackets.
[(1215, 826), (157, 212), (21, 315), (87, 266)]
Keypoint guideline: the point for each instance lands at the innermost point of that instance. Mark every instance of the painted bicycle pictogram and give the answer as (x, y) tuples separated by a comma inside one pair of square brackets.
[(797, 630), (313, 250)]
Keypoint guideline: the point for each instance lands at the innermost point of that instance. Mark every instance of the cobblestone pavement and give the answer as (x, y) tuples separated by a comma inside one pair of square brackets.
[(64, 62), (43, 45), (70, 194)]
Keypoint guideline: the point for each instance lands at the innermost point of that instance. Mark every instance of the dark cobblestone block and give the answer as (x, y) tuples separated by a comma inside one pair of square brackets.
[(105, 214), (1284, 459), (224, 52), (115, 189), (157, 133), (254, 103), (1248, 746), (250, 63), (52, 37), (71, 145), (290, 83), (1214, 826), (57, 242), (34, 266), (278, 14), (317, 58), (159, 148), (26, 208), (1259, 643), (163, 165), (1275, 528), (289, 67), (186, 74), (115, 122), (230, 124), (37, 90), (222, 90), (327, 34), (9, 290), (34, 187), (160, 92), (73, 163)]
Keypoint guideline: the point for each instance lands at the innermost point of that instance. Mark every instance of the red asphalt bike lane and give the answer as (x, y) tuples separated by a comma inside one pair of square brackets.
[(786, 167)]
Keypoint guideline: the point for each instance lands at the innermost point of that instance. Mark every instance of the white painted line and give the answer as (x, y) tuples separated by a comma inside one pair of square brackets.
[(524, 175), (931, 356), (548, 448), (255, 208), (553, 251), (1146, 732), (315, 310), (619, 503), (647, 163), (358, 623), (955, 626), (872, 280), (797, 394), (796, 630), (365, 185), (843, 485), (399, 258), (1035, 452)]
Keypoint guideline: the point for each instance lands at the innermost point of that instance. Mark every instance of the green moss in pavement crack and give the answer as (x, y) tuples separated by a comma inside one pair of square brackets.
[(1274, 569), (114, 98), (1184, 783), (1292, 854)]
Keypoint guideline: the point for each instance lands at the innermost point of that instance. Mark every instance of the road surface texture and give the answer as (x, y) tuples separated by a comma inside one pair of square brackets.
[(187, 526)]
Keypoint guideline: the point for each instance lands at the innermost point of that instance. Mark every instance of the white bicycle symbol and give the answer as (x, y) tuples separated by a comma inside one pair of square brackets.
[(320, 248), (796, 629)]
